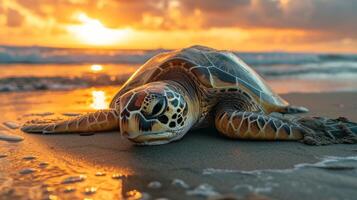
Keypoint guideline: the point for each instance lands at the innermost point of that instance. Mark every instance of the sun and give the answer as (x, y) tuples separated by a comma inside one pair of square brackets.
[(93, 32), (96, 68)]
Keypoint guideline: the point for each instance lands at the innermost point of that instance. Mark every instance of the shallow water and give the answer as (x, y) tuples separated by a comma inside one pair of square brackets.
[(70, 77), (284, 72)]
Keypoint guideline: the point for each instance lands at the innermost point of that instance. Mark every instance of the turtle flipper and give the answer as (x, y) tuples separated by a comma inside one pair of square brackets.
[(322, 131), (310, 130), (257, 126), (102, 120)]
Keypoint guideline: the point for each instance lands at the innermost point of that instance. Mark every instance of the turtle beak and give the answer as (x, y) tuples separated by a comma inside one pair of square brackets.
[(142, 131), (136, 128), (129, 125)]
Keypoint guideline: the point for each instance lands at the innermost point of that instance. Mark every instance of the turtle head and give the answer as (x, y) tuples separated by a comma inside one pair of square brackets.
[(155, 113)]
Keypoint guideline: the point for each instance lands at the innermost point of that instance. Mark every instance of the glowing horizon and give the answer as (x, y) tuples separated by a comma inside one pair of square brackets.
[(246, 25)]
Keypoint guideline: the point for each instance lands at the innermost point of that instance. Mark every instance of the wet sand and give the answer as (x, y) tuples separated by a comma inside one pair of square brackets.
[(187, 160)]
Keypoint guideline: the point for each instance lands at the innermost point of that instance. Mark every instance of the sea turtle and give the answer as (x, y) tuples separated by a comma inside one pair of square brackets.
[(195, 87)]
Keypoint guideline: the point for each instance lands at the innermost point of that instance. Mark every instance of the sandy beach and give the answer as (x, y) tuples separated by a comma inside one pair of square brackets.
[(201, 165)]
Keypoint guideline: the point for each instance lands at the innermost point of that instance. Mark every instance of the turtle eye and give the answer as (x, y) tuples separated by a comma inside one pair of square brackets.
[(155, 107), (159, 107)]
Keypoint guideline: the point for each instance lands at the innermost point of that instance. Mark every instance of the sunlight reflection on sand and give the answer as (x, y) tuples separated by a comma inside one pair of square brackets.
[(99, 100), (63, 177)]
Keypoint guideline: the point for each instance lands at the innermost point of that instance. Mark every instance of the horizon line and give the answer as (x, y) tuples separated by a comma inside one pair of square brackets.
[(170, 49)]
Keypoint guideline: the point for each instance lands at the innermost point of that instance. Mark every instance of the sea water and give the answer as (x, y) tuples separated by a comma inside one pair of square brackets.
[(40, 68)]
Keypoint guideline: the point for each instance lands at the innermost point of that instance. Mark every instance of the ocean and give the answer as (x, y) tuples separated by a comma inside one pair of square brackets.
[(44, 68)]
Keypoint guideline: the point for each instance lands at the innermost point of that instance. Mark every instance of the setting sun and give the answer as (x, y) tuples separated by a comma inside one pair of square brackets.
[(93, 32), (96, 68)]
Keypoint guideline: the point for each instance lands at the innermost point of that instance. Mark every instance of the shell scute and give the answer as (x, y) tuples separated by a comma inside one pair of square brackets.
[(221, 78), (245, 77), (212, 68), (222, 61), (195, 56), (229, 64), (203, 75), (176, 62)]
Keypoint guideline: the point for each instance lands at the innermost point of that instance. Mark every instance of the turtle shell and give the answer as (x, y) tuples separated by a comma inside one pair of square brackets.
[(213, 69)]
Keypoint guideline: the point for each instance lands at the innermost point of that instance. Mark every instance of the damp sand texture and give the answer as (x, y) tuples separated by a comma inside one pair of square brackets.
[(202, 165)]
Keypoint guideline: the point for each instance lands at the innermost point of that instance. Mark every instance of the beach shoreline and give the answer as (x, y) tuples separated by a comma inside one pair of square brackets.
[(187, 159)]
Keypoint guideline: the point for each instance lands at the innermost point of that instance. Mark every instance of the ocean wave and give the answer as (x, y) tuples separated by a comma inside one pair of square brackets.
[(46, 55), (334, 163), (302, 71), (276, 58), (331, 177), (271, 65), (14, 84)]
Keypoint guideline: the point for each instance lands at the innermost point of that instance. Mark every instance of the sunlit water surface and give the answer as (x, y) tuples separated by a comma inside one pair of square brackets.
[(317, 77)]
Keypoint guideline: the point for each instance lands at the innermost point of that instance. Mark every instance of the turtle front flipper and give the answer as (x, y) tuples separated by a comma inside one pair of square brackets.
[(310, 130), (102, 120), (257, 126)]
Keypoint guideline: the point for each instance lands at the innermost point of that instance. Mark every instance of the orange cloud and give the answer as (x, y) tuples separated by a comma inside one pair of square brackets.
[(14, 18), (304, 25)]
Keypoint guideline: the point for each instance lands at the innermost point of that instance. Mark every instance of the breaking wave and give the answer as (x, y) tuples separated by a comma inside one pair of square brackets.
[(46, 55), (63, 62)]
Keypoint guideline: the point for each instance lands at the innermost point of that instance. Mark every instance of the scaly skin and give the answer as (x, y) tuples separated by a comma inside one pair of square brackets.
[(102, 120), (250, 125), (258, 126)]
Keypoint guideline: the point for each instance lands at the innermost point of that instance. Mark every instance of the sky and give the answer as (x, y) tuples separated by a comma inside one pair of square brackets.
[(243, 25)]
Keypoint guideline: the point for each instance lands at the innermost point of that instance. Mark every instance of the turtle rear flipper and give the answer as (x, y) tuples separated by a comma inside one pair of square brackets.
[(102, 120), (323, 131), (310, 130), (256, 126)]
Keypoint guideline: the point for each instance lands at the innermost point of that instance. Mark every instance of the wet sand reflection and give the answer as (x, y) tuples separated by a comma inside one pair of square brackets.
[(99, 100)]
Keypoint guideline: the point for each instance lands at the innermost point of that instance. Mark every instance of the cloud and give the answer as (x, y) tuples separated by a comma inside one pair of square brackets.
[(1, 8), (215, 6), (14, 18), (331, 15), (312, 20)]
